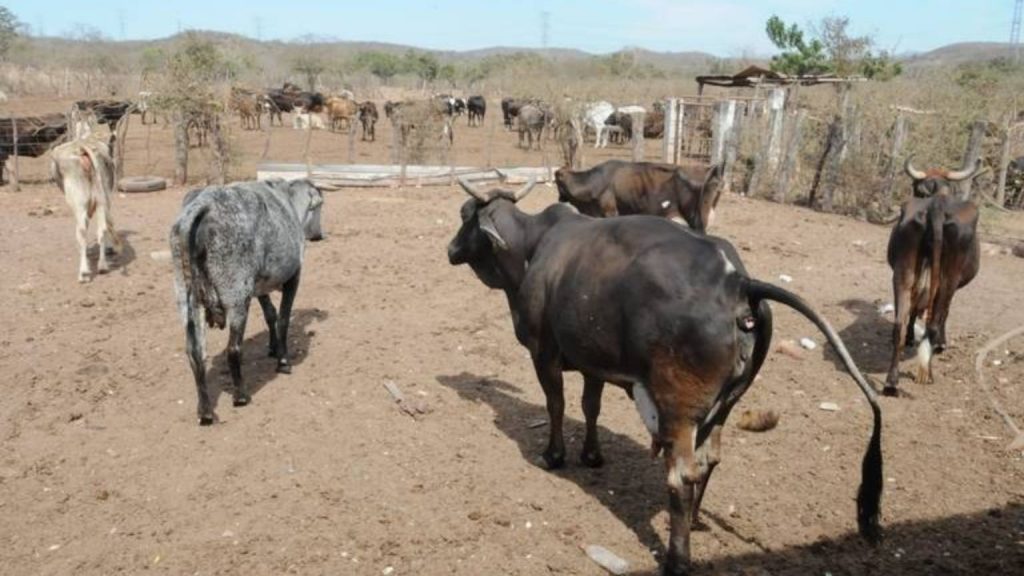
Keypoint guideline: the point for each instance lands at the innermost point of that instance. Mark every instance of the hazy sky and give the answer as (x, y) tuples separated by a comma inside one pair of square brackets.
[(725, 28)]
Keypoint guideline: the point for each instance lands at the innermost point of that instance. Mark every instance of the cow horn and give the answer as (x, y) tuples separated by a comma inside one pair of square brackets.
[(522, 192), (964, 174), (911, 171), (474, 191)]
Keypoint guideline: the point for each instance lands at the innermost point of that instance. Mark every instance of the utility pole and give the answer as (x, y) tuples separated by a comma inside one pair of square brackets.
[(1018, 6), (545, 25)]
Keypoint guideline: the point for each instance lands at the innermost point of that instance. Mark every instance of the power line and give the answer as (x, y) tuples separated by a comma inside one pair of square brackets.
[(545, 25)]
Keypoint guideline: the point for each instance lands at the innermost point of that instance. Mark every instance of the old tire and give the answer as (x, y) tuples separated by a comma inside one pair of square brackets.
[(142, 184)]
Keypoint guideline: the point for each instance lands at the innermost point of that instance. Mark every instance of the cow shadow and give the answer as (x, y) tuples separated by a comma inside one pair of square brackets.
[(629, 485), (117, 261), (868, 338), (259, 369), (983, 542)]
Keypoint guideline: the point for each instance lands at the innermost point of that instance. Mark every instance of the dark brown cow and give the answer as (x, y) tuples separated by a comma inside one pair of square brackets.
[(933, 252), (368, 118), (644, 304), (618, 187)]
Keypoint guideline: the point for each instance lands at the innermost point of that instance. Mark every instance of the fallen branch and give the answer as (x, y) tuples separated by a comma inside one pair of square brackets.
[(979, 368)]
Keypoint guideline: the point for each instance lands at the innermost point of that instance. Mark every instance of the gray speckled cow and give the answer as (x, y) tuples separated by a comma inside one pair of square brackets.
[(228, 244)]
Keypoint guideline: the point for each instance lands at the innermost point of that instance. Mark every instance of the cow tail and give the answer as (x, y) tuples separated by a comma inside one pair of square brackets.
[(869, 495), (195, 292), (936, 211)]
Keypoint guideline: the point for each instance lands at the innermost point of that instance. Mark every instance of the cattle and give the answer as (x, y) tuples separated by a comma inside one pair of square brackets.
[(933, 251), (279, 102), (644, 304), (303, 120), (368, 118), (36, 135), (618, 187), (622, 118), (107, 112), (248, 107), (411, 115), (340, 112), (228, 244), (477, 109), (142, 107), (84, 171), (510, 108), (654, 121), (593, 116), (531, 121)]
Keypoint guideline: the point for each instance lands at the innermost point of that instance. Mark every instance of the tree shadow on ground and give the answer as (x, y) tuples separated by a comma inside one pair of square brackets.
[(259, 369)]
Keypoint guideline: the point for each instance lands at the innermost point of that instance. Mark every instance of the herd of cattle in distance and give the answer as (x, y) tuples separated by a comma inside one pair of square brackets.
[(619, 281)]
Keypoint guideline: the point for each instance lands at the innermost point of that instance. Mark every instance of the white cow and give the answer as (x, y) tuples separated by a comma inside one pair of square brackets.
[(84, 171), (306, 121), (594, 115)]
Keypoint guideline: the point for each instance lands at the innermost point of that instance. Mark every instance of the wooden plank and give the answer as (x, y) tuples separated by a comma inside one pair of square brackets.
[(358, 176)]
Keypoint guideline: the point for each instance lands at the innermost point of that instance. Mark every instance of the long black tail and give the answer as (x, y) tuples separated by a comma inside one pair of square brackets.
[(870, 494)]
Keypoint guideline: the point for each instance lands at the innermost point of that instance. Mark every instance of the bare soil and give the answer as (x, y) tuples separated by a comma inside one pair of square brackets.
[(104, 470)]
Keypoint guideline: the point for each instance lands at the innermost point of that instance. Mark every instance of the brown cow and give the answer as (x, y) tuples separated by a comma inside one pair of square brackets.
[(340, 111), (618, 187), (933, 251)]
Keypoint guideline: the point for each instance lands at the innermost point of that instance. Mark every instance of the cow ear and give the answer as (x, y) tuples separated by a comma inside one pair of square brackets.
[(487, 225)]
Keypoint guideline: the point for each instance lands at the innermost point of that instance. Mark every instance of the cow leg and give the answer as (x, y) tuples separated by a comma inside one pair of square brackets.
[(194, 349), (81, 229), (903, 283), (236, 334), (288, 292), (592, 389), (549, 373), (270, 315), (708, 457), (683, 475), (105, 229)]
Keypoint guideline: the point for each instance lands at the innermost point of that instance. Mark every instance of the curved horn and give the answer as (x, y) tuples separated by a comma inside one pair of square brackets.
[(911, 171), (964, 174), (522, 192), (474, 191)]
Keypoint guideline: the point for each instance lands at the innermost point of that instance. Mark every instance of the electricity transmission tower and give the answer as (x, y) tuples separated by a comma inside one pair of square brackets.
[(545, 25), (1018, 5)]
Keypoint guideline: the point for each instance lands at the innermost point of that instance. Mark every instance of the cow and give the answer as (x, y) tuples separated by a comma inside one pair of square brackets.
[(248, 107), (934, 250), (340, 111), (107, 112), (228, 244), (36, 135), (644, 304), (619, 187), (278, 102), (622, 118), (84, 171), (412, 115), (531, 121), (303, 120), (510, 108), (143, 107), (593, 116), (477, 109), (368, 118)]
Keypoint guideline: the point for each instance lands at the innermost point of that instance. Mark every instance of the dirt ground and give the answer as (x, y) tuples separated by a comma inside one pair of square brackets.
[(103, 469)]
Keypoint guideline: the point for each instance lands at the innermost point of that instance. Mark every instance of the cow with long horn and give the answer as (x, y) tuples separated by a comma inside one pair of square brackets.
[(667, 314), (933, 251)]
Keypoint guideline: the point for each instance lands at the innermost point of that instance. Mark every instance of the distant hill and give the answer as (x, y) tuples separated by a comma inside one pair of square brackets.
[(960, 53)]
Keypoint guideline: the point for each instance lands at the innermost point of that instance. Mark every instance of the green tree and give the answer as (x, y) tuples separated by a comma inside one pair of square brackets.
[(422, 64), (9, 31), (798, 56), (383, 65)]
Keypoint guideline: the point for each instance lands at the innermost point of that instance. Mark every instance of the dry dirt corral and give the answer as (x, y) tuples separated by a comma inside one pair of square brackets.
[(103, 469)]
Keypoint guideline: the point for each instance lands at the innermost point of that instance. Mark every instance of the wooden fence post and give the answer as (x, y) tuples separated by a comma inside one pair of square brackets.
[(180, 148), (672, 134), (971, 155), (351, 142), (1004, 159), (637, 120), (732, 150), (14, 130), (899, 137), (792, 154)]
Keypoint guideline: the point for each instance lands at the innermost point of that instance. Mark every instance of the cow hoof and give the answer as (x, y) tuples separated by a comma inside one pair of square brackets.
[(206, 420), (592, 459), (242, 401), (891, 391), (553, 461), (271, 352), (284, 368), (699, 526), (675, 567)]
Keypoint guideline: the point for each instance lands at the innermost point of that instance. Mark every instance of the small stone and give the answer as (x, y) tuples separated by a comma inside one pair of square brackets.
[(808, 343), (829, 406), (785, 278), (161, 255), (387, 571), (886, 309)]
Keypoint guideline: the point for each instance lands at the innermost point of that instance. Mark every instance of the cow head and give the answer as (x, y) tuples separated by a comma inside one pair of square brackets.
[(306, 199), (478, 241), (937, 181), (711, 191)]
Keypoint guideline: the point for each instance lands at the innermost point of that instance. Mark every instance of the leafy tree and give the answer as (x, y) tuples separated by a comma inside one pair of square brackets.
[(798, 56), (447, 74), (423, 65), (9, 30), (383, 65)]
